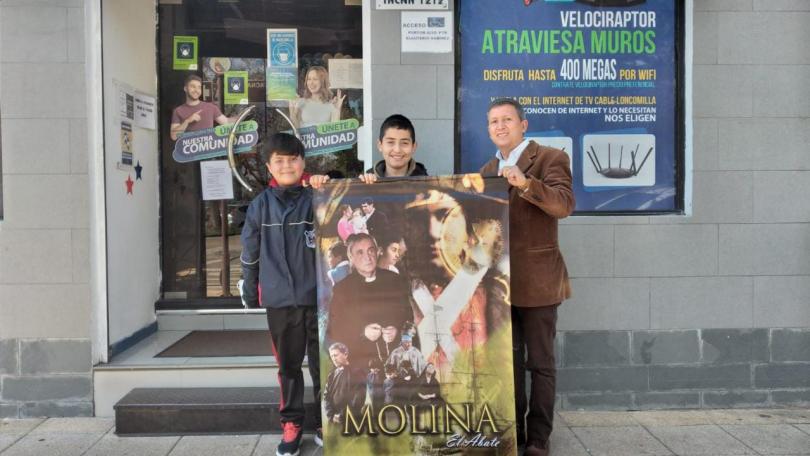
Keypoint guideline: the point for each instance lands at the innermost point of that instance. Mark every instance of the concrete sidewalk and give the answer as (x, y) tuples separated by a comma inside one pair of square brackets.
[(698, 432)]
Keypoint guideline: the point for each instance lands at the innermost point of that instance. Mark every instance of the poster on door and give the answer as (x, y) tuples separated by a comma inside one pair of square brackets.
[(414, 317)]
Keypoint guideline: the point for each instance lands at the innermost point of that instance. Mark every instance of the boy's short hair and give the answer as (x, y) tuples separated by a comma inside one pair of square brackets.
[(390, 368), (507, 102), (367, 200), (337, 250), (192, 77), (282, 144), (399, 122)]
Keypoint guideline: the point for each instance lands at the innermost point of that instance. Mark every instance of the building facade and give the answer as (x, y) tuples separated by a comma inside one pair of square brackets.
[(706, 309)]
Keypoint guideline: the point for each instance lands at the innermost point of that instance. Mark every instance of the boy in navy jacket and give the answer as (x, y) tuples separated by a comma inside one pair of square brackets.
[(278, 265)]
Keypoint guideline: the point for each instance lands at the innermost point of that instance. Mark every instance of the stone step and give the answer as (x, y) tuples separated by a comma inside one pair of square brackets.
[(189, 411)]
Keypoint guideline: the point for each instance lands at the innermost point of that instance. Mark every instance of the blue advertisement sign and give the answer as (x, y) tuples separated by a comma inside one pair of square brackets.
[(597, 79), (282, 66), (213, 142)]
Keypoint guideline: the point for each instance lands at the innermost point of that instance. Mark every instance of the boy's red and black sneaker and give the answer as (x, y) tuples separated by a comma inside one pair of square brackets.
[(290, 440), (319, 437)]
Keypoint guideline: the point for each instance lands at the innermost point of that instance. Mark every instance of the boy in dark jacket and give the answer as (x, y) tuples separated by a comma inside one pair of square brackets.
[(397, 144), (278, 265)]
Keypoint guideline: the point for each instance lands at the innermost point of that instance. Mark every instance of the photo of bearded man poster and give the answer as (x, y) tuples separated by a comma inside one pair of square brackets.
[(416, 330)]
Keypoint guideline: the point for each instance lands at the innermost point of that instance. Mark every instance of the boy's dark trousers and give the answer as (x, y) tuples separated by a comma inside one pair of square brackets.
[(294, 332)]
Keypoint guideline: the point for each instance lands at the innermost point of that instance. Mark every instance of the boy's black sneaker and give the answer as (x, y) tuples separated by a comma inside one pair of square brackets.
[(319, 437), (290, 440)]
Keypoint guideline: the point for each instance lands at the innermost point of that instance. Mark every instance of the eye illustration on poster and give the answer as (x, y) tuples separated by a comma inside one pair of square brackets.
[(414, 317), (598, 79)]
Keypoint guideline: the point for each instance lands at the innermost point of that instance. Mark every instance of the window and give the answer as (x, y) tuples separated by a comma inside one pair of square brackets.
[(226, 44)]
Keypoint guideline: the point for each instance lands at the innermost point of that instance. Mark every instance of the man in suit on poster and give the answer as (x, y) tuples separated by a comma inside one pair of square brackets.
[(540, 194)]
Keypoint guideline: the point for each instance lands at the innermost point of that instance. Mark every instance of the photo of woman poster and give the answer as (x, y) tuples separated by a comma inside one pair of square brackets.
[(421, 318)]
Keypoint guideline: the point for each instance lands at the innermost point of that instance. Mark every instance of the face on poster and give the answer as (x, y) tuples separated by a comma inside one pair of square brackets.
[(599, 78), (414, 317)]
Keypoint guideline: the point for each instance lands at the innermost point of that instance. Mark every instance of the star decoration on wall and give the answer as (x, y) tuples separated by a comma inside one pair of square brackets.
[(138, 169), (129, 183)]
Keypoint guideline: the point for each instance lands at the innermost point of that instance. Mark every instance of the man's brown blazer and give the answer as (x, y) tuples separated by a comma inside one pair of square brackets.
[(538, 273)]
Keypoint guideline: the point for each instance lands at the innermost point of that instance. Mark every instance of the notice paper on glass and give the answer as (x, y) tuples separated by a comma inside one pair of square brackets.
[(427, 32), (217, 183), (346, 73)]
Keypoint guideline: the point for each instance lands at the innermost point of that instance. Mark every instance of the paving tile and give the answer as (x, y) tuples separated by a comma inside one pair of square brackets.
[(563, 442), (672, 418), (268, 443), (18, 427), (597, 419), (215, 445), (53, 444), (771, 439), (797, 416), (699, 440), (619, 441), (75, 426), (112, 445), (750, 416), (803, 427), (7, 440)]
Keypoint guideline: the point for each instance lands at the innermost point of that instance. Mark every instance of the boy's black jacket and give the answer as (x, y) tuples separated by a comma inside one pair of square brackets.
[(278, 249)]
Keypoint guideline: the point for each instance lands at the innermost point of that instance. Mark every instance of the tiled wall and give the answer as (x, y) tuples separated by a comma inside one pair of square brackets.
[(695, 368), (44, 291)]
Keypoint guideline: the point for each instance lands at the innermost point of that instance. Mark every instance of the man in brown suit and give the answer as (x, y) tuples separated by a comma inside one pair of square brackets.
[(540, 194)]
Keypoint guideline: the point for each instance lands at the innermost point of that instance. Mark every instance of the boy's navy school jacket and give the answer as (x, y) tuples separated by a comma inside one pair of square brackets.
[(278, 249)]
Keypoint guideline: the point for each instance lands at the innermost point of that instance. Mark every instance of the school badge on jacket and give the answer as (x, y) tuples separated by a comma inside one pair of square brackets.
[(310, 238)]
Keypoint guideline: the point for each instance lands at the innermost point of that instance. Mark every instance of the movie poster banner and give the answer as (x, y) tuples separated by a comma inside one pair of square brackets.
[(597, 78), (414, 317)]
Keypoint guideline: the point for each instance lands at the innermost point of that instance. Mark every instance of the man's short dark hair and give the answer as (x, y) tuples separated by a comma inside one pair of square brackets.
[(192, 77), (399, 122), (368, 201), (507, 102), (282, 144), (341, 347)]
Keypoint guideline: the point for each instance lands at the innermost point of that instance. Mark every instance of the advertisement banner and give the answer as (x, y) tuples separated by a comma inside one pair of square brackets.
[(597, 79), (213, 142), (184, 53), (236, 87), (329, 137), (282, 66), (414, 317)]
